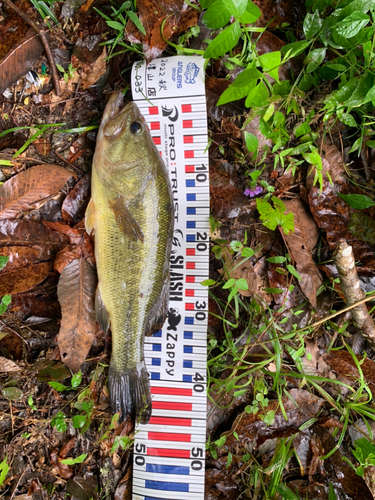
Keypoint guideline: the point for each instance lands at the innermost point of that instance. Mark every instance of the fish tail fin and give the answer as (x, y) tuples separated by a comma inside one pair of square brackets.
[(129, 391)]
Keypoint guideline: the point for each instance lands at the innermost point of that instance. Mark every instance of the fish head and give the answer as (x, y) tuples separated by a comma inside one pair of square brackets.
[(124, 141)]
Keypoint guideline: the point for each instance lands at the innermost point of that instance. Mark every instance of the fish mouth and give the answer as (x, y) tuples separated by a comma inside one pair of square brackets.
[(116, 115)]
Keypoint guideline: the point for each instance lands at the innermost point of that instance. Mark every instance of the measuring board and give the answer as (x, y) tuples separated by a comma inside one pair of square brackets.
[(169, 452)]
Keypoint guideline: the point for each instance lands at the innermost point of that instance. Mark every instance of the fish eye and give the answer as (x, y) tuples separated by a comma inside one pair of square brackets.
[(135, 128)]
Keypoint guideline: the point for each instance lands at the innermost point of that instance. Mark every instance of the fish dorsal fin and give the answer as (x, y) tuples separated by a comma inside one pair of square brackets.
[(90, 217), (125, 221), (158, 313), (102, 314)]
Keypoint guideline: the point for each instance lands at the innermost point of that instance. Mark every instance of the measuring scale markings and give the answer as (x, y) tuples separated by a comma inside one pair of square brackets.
[(169, 452)]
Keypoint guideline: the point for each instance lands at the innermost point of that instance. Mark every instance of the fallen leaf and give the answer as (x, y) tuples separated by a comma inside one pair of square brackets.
[(220, 485), (300, 245), (42, 307), (6, 365), (240, 268), (24, 279), (11, 345), (20, 59), (22, 256), (75, 235), (29, 189), (48, 370), (12, 393), (76, 292), (63, 470), (252, 431), (28, 233), (74, 205), (276, 13)]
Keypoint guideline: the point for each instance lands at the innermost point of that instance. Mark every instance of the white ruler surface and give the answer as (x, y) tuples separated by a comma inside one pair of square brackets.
[(169, 451)]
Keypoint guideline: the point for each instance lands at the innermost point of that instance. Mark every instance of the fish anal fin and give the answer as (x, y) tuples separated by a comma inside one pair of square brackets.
[(90, 217), (125, 221), (159, 312), (102, 314)]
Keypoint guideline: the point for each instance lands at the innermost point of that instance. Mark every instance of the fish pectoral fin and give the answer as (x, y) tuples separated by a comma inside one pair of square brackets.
[(125, 221), (102, 314), (159, 312), (90, 217)]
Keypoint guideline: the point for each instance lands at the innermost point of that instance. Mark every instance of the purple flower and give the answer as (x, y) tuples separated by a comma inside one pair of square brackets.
[(253, 192)]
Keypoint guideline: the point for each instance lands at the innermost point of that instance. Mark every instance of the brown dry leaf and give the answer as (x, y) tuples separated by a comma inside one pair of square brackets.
[(42, 307), (90, 73), (74, 205), (6, 365), (30, 189), (24, 279), (22, 256), (152, 13), (20, 59), (62, 469), (11, 345), (28, 233), (276, 13), (66, 256), (252, 431), (300, 245), (76, 291), (240, 268), (75, 235)]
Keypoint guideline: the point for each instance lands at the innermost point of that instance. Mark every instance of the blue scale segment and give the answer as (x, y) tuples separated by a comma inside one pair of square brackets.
[(188, 349), (190, 224), (156, 347), (155, 376), (156, 361), (187, 378), (168, 469), (188, 321), (188, 363), (190, 197), (190, 183), (191, 211), (190, 237), (188, 335), (157, 334), (164, 485)]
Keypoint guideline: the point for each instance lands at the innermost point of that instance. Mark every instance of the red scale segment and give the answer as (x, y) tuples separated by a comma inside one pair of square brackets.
[(153, 110), (171, 421), (190, 265), (187, 124), (190, 279), (171, 391), (163, 452), (189, 169), (188, 139), (164, 405), (189, 293), (169, 436), (155, 125), (189, 153), (189, 307), (186, 108), (157, 141)]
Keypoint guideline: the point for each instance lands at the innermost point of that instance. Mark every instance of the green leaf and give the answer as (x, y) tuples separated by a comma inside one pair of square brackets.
[(79, 421), (208, 282), (76, 380), (4, 469), (224, 42), (217, 16), (276, 260), (314, 59), (257, 96), (235, 245), (247, 252), (284, 491), (57, 386), (241, 284), (312, 24), (370, 144), (115, 25), (352, 25), (72, 461), (3, 261), (273, 217), (11, 393), (229, 283), (241, 86), (251, 142), (359, 201), (302, 129), (270, 63), (269, 112), (7, 299), (273, 290), (293, 272), (240, 393), (58, 421), (133, 17), (362, 227), (236, 7), (251, 14), (294, 49)]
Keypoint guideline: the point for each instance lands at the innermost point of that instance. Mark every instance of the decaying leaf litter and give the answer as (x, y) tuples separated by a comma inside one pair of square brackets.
[(290, 363)]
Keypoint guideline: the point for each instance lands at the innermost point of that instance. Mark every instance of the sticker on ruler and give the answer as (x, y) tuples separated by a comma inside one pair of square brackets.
[(169, 451)]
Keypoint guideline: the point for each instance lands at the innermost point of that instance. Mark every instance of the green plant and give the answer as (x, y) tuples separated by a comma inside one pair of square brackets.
[(275, 216), (4, 469), (69, 73), (73, 461), (6, 300), (364, 452)]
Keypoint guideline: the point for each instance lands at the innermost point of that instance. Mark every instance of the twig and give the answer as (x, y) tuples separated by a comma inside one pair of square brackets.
[(68, 163), (42, 33), (350, 285)]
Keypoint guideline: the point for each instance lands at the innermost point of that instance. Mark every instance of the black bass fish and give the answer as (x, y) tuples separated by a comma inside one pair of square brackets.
[(131, 213)]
